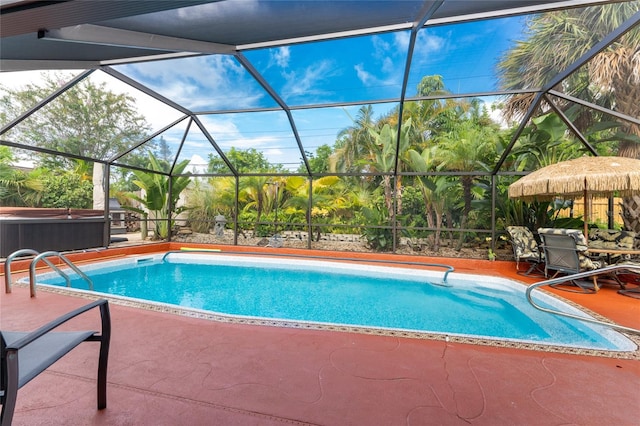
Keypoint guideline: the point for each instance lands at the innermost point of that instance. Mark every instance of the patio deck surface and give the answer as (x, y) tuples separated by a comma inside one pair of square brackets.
[(166, 369)]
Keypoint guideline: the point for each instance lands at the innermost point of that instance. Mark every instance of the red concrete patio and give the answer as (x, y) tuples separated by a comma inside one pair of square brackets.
[(167, 369)]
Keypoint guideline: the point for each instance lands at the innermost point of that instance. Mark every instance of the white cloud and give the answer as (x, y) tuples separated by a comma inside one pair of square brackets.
[(202, 83), (196, 144), (388, 60), (380, 47), (281, 56), (365, 77), (307, 82), (401, 41), (388, 66), (428, 44), (18, 80)]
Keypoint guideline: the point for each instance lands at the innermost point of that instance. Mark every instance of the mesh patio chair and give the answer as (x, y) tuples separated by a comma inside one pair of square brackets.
[(24, 355), (526, 248), (565, 252)]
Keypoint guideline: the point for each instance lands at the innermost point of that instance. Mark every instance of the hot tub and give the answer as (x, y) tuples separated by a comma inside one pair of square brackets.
[(51, 229)]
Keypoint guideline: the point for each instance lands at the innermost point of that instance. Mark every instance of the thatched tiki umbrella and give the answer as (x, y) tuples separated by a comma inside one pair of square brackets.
[(581, 177)]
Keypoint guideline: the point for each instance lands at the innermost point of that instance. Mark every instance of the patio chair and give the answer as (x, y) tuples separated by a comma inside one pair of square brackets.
[(24, 355), (564, 251), (525, 248)]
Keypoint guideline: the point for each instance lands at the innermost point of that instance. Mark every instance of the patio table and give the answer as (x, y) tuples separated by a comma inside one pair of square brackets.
[(609, 252)]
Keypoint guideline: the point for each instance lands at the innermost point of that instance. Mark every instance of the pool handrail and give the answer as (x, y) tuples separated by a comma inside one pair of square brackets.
[(448, 268), (43, 256), (586, 274), (7, 266)]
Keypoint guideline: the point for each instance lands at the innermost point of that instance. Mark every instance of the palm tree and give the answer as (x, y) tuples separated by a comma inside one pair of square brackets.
[(18, 188), (427, 114), (556, 40), (354, 144), (224, 195), (253, 194), (469, 148), (157, 199)]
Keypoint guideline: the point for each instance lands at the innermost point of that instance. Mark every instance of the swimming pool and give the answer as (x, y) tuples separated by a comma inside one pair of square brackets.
[(315, 291)]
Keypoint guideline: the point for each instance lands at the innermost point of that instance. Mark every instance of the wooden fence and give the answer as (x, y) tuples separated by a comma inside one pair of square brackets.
[(598, 210)]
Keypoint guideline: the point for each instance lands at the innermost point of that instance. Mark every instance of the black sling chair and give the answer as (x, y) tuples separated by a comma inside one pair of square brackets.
[(24, 355)]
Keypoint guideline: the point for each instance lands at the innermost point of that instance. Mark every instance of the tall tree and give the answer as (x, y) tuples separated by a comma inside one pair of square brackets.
[(318, 162), (555, 41), (354, 147), (244, 160), (429, 116), (164, 150), (467, 149), (88, 120)]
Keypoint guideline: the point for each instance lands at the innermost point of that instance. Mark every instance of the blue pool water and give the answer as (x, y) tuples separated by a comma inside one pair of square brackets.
[(346, 294)]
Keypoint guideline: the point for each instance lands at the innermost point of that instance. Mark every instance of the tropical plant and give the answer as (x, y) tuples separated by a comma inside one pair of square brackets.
[(354, 146), (467, 149), (434, 189), (384, 156), (555, 41), (378, 233), (252, 194), (207, 199), (17, 187), (543, 143), (200, 201), (330, 199), (160, 194)]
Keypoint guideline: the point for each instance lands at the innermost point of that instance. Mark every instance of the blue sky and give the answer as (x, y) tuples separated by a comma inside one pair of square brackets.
[(354, 69), (358, 69)]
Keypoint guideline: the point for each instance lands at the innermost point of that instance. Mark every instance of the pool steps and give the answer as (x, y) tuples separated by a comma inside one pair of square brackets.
[(607, 270)]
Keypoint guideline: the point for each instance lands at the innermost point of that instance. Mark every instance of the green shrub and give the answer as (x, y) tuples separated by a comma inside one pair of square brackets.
[(378, 239), (66, 190)]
